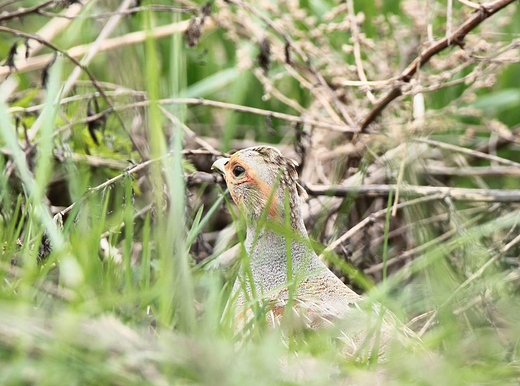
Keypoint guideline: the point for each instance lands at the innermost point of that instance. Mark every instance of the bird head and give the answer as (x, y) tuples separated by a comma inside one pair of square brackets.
[(259, 179)]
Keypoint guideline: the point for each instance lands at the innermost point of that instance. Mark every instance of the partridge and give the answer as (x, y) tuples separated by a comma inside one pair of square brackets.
[(284, 269)]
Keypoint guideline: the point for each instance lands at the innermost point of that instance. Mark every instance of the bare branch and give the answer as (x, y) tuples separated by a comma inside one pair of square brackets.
[(454, 39), (132, 170), (430, 244), (63, 52), (40, 61), (289, 42), (371, 218), (129, 11), (459, 194), (475, 171), (473, 153), (25, 11)]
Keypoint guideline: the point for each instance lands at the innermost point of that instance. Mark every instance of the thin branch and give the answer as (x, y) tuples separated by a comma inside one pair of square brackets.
[(95, 161), (176, 121), (6, 3), (371, 218), (207, 102), (456, 38), (58, 217), (130, 11), (202, 178), (257, 111), (105, 32), (25, 11), (303, 56), (511, 137), (437, 192), (459, 194), (49, 31), (470, 4), (357, 49), (443, 217), (40, 61), (473, 153), (131, 170), (423, 247), (50, 45), (475, 171), (80, 66)]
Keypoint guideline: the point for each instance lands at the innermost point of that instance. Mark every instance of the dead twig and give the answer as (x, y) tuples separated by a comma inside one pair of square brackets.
[(357, 49), (424, 247), (55, 48), (290, 43), (459, 194), (201, 178), (25, 11), (206, 102), (129, 11), (472, 171), (471, 152), (456, 38), (132, 170), (371, 218), (37, 62)]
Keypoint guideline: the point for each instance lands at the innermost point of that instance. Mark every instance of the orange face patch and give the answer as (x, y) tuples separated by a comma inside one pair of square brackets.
[(257, 183)]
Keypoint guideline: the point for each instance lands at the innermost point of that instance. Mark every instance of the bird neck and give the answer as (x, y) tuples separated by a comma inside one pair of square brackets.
[(283, 206), (269, 255)]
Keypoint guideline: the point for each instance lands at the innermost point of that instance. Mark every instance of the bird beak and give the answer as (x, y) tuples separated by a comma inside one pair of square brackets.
[(219, 164)]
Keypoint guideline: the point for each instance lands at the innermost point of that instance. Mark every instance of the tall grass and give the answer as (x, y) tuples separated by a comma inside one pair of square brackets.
[(109, 292)]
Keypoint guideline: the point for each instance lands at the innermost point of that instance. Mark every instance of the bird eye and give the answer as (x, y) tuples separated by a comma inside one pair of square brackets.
[(238, 171)]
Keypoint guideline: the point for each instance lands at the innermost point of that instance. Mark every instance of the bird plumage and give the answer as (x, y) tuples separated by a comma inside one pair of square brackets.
[(263, 183)]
